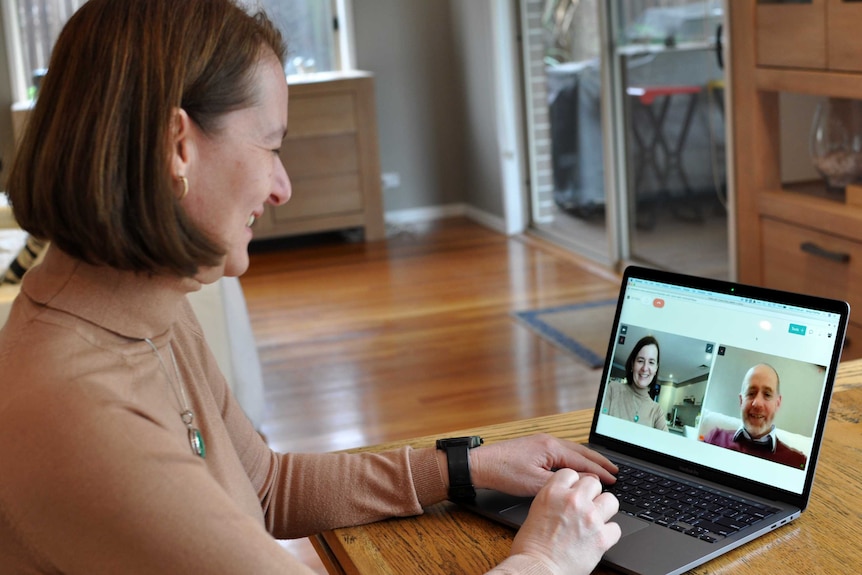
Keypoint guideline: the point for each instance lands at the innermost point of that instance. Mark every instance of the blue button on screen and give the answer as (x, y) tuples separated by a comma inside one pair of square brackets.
[(797, 329)]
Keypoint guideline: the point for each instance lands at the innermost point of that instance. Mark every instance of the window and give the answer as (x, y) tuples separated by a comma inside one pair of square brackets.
[(38, 24), (308, 26)]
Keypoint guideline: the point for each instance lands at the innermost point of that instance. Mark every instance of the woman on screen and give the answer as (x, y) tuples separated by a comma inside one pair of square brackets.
[(630, 399)]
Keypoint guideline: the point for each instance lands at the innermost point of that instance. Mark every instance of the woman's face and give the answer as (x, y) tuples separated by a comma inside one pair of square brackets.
[(645, 365), (236, 171)]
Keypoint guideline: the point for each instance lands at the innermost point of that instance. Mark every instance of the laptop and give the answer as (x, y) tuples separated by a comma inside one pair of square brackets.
[(692, 484)]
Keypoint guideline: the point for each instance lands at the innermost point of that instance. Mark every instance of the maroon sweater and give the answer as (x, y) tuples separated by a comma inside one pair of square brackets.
[(782, 453)]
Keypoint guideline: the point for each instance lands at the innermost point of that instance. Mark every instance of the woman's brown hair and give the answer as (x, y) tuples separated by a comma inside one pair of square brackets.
[(92, 171)]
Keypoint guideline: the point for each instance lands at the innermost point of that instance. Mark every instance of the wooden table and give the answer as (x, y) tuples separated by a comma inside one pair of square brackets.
[(448, 539)]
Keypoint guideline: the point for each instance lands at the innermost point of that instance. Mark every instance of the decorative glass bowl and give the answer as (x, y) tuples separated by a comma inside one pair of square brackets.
[(836, 142)]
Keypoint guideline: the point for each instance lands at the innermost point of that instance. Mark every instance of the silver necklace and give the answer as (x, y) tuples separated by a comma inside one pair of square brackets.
[(196, 439)]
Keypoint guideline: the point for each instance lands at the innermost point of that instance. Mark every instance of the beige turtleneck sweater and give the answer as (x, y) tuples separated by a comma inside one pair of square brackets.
[(632, 403), (97, 472)]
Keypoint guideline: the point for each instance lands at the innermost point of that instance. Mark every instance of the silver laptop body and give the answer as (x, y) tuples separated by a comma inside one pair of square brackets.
[(710, 333)]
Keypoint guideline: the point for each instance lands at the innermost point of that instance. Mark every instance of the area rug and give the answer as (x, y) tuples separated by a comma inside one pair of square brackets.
[(581, 329)]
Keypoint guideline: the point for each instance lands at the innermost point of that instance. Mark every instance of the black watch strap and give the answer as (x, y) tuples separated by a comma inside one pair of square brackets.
[(456, 448)]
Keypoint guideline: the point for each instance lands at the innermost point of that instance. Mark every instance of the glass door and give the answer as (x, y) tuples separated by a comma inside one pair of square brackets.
[(626, 130), (667, 64), (563, 76)]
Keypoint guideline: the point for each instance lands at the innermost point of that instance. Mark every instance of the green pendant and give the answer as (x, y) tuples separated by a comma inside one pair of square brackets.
[(196, 440), (637, 417)]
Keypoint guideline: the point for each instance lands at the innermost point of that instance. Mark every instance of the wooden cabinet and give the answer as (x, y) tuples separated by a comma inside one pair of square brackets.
[(331, 155), (798, 236), (818, 34), (791, 34), (843, 49)]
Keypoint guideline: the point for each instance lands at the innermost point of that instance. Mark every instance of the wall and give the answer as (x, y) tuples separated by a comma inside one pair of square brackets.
[(409, 46), (435, 102), (473, 36)]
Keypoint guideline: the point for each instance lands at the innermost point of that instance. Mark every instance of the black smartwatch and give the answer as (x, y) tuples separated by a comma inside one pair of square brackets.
[(456, 448)]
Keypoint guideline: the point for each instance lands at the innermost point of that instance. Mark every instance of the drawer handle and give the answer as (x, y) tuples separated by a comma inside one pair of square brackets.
[(815, 250)]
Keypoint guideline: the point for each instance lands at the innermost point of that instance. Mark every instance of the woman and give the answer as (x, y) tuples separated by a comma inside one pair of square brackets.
[(631, 399), (152, 149)]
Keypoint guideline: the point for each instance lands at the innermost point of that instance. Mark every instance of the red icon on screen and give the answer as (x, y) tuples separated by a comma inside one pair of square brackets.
[(658, 302)]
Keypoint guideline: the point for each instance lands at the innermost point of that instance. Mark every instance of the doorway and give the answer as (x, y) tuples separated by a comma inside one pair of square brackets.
[(626, 131)]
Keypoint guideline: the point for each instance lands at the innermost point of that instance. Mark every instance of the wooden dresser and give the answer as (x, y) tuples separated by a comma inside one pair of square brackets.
[(796, 237), (331, 155)]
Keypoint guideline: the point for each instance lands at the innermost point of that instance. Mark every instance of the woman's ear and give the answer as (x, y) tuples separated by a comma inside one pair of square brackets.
[(182, 142)]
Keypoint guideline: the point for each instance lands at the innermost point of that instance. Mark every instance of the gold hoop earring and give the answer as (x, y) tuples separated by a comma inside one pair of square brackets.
[(185, 181)]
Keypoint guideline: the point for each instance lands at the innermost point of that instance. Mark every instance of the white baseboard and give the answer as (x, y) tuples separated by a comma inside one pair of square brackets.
[(491, 221), (416, 215)]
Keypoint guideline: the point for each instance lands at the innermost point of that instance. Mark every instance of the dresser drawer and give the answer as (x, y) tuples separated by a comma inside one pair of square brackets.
[(807, 261), (320, 115), (843, 50), (803, 260), (791, 34), (324, 196), (331, 156)]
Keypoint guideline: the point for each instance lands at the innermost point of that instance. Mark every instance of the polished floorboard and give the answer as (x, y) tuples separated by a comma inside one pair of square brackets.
[(362, 343)]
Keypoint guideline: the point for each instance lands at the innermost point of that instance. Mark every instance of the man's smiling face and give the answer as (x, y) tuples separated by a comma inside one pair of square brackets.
[(759, 400)]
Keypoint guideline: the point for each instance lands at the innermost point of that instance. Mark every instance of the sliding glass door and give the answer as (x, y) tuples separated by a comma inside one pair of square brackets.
[(563, 63), (626, 130)]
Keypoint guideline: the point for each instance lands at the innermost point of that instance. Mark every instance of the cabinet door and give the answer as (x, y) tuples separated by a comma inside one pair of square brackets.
[(791, 33), (843, 25), (808, 261), (804, 260)]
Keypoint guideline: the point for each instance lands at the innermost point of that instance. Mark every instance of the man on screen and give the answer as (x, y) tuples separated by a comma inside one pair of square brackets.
[(759, 401)]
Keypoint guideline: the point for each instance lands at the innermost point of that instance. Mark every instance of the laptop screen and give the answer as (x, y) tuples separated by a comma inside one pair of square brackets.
[(728, 377)]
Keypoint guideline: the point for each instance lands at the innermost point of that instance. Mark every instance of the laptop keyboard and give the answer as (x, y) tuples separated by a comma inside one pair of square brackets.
[(700, 512)]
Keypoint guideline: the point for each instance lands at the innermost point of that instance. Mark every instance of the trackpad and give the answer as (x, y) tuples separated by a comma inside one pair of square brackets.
[(517, 514), (629, 524)]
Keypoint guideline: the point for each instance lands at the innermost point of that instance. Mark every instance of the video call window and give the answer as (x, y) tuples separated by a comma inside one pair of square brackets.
[(754, 403)]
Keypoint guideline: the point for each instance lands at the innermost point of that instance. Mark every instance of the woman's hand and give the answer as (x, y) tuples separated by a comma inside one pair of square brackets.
[(568, 526), (524, 465)]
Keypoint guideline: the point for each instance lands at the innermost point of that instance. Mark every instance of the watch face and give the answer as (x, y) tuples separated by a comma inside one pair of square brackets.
[(470, 442)]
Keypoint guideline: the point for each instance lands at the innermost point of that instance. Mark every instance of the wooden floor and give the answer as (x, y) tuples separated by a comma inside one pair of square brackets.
[(365, 343)]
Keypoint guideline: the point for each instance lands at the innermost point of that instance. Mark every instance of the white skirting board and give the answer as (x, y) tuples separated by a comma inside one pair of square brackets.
[(430, 213)]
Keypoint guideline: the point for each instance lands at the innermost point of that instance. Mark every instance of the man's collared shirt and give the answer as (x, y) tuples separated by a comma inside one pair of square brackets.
[(768, 441)]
